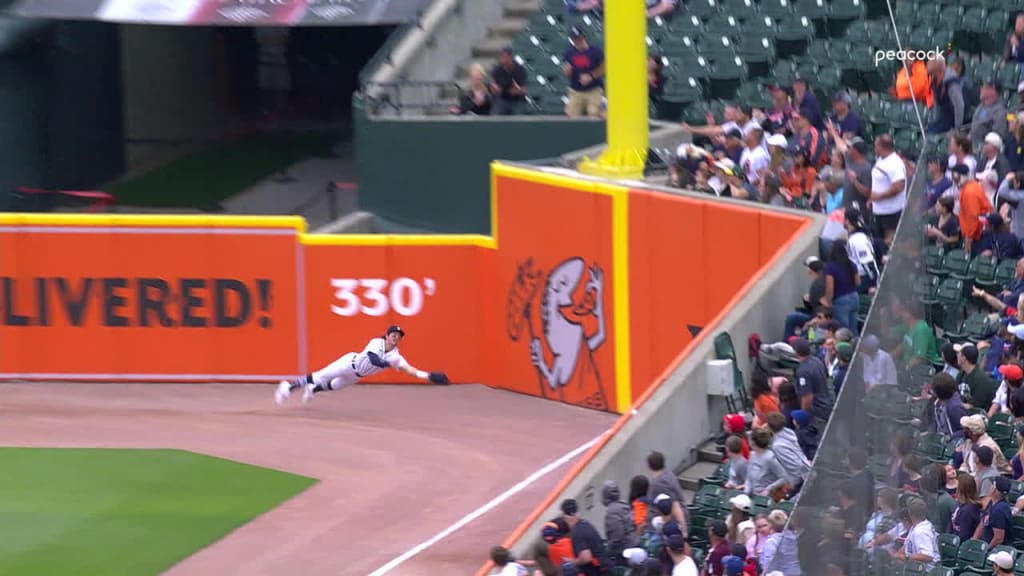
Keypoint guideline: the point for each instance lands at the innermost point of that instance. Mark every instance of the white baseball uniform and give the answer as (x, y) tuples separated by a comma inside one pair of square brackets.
[(353, 366)]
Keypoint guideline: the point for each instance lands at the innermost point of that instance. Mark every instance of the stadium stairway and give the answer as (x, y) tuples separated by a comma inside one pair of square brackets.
[(516, 15), (709, 457)]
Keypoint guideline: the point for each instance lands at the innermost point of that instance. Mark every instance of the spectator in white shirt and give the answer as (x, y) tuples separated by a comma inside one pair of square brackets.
[(755, 159), (503, 559), (1012, 378), (861, 249), (680, 553), (922, 543), (960, 149), (879, 367), (888, 187)]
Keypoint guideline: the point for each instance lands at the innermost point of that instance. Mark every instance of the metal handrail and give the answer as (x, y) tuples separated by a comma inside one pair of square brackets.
[(384, 54)]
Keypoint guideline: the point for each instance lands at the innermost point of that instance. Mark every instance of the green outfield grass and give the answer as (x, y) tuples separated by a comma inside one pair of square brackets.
[(124, 512)]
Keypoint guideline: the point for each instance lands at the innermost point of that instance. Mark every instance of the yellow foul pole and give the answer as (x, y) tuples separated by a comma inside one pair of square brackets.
[(625, 38)]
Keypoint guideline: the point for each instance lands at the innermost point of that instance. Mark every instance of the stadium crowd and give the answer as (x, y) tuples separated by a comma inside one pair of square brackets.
[(937, 487)]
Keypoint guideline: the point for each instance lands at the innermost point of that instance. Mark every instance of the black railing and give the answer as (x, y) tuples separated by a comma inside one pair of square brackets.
[(411, 98)]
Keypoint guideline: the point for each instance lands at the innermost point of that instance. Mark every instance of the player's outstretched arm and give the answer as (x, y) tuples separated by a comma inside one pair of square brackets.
[(433, 377)]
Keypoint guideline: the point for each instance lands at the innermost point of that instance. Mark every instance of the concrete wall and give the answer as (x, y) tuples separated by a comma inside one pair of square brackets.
[(680, 416), (170, 84)]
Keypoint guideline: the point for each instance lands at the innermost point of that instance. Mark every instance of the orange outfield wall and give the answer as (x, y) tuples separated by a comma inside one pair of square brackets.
[(554, 334), (148, 298), (433, 292), (688, 259), (583, 292)]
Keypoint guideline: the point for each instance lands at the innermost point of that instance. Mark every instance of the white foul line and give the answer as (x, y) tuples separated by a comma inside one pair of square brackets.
[(412, 552)]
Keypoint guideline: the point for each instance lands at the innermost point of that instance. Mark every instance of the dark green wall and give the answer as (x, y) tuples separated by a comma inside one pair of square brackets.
[(435, 173), (60, 107)]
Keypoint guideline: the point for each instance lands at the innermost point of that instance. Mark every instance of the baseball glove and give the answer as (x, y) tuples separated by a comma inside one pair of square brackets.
[(438, 378)]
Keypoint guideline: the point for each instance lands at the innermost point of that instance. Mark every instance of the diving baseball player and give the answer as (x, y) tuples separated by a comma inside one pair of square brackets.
[(379, 354)]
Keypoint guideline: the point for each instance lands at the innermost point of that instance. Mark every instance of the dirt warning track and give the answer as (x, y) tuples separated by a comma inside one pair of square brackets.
[(398, 466)]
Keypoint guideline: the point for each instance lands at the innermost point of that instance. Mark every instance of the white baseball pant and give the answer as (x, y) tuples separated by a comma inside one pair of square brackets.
[(337, 374)]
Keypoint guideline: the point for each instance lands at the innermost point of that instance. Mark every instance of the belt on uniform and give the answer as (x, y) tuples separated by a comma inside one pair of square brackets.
[(354, 369)]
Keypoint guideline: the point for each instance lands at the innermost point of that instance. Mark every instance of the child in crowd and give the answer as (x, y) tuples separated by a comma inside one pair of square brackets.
[(806, 433), (737, 464), (507, 565), (736, 425)]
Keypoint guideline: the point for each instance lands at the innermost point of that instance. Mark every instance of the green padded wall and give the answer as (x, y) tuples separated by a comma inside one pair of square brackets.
[(434, 173)]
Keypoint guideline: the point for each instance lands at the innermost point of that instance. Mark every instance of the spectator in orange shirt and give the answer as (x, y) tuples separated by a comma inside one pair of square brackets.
[(763, 396), (638, 488), (974, 204), (556, 535), (798, 181), (917, 85)]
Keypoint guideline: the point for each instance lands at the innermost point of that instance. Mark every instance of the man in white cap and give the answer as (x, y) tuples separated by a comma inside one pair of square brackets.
[(993, 166), (1002, 563), (640, 564)]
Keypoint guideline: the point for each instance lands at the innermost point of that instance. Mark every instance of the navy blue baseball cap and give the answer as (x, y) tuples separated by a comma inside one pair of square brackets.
[(395, 328)]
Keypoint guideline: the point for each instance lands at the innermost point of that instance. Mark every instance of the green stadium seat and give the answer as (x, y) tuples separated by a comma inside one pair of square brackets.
[(682, 46), (950, 293), (725, 78), (762, 26), (551, 105), (716, 47), (857, 34), (759, 54), (695, 113), (1006, 272), (842, 13), (999, 19), (914, 568), (925, 289), (927, 13), (724, 25), (830, 78), (807, 69), (698, 68), (776, 8), (681, 89), (972, 554), (983, 270), (949, 545), (820, 50), (973, 19), (686, 26), (905, 11), (795, 28), (813, 9), (742, 10), (702, 9), (956, 264), (1018, 566), (950, 16), (1010, 76), (784, 73), (972, 329)]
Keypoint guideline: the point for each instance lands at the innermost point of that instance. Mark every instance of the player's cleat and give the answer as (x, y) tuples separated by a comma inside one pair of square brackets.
[(307, 392), (283, 392)]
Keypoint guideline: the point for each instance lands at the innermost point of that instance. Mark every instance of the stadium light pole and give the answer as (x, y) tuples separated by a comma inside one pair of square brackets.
[(628, 124)]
